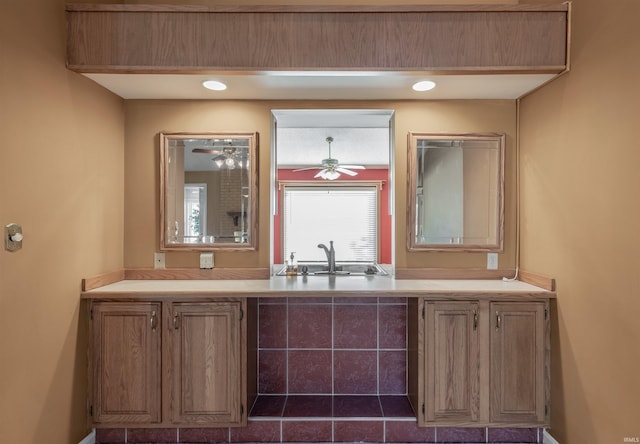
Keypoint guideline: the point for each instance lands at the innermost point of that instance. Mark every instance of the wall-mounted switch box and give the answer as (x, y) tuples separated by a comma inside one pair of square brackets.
[(492, 261), (206, 260), (158, 260)]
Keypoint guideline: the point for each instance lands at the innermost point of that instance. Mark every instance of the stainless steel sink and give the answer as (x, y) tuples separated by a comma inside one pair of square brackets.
[(342, 269)]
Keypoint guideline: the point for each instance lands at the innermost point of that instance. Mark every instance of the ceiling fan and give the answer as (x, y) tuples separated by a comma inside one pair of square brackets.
[(330, 168), (226, 155)]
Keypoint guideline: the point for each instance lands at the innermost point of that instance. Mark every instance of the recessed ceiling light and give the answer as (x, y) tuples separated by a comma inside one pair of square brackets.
[(424, 85), (214, 85)]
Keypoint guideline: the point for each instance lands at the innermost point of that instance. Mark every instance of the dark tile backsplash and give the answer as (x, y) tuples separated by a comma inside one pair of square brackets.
[(333, 346)]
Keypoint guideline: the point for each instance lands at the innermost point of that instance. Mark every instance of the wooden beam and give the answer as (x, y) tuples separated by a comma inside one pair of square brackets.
[(461, 39)]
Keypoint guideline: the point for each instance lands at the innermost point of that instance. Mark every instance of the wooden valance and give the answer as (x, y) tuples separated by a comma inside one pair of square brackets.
[(464, 39)]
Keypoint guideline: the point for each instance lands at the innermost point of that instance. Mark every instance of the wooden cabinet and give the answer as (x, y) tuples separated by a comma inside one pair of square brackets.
[(125, 363), (479, 362), (451, 361), (519, 362), (168, 363), (206, 363)]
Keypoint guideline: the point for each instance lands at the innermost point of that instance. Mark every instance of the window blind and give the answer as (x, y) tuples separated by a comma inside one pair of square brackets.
[(348, 216)]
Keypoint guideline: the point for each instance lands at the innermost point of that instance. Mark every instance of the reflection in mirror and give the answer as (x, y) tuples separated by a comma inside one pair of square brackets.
[(208, 191), (455, 192)]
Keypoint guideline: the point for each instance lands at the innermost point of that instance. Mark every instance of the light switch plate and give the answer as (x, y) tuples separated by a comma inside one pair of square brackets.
[(158, 260), (492, 261), (206, 260)]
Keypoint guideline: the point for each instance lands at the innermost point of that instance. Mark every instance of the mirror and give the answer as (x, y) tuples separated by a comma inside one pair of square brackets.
[(208, 191), (455, 192)]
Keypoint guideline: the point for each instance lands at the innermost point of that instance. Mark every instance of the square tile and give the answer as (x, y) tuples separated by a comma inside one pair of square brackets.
[(392, 366), (309, 371), (110, 436), (270, 300), (307, 431), (511, 435), (272, 371), (309, 326), (358, 431), (355, 326), (460, 434), (355, 372), (272, 332), (355, 300), (408, 432), (393, 327), (257, 431), (393, 300), (204, 435), (308, 406), (396, 407), (160, 436), (309, 300), (269, 405), (352, 406)]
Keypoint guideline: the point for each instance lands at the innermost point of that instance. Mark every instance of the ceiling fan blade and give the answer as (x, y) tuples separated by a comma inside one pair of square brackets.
[(308, 168), (319, 173), (206, 151), (345, 171), (354, 167)]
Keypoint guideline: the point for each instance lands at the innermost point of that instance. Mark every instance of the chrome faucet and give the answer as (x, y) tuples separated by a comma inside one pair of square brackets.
[(331, 256)]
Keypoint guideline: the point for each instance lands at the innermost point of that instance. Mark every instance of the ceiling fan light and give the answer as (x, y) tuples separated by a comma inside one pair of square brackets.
[(219, 162), (230, 162), (331, 175)]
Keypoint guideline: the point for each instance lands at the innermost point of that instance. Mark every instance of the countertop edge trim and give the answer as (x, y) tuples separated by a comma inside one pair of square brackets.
[(426, 294)]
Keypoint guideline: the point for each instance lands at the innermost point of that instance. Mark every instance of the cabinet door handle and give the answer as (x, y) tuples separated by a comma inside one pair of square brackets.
[(154, 320), (175, 321), (475, 320), (498, 320)]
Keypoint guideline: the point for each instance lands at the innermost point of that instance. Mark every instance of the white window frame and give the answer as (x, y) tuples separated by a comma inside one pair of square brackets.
[(305, 244)]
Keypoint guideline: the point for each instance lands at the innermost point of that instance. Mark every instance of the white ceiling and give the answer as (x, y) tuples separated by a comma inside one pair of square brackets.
[(312, 85), (303, 140)]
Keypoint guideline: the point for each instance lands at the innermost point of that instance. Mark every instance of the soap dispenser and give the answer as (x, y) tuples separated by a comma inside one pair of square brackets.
[(292, 265)]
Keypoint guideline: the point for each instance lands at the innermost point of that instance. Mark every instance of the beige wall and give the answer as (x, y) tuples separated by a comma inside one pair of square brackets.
[(581, 218), (64, 138), (146, 118), (62, 178)]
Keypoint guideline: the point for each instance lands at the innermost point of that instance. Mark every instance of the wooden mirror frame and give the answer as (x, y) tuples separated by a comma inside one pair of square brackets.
[(412, 164), (252, 206)]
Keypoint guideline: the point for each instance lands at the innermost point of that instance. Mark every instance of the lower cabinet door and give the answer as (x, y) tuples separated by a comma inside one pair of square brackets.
[(125, 361), (519, 363), (206, 363), (451, 362)]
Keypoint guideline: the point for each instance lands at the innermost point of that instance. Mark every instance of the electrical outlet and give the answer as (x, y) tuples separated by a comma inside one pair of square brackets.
[(158, 260), (492, 261), (206, 260)]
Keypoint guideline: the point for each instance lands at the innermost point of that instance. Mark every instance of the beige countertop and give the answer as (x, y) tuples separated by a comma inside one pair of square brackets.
[(326, 286)]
